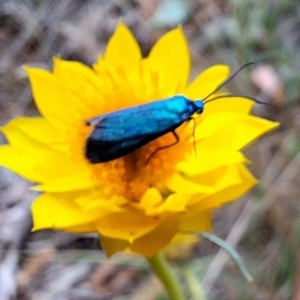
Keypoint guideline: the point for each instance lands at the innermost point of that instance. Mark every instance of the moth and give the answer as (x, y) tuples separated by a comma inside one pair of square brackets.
[(118, 133)]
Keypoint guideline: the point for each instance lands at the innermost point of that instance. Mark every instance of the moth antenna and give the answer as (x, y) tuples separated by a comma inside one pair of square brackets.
[(229, 79), (233, 96)]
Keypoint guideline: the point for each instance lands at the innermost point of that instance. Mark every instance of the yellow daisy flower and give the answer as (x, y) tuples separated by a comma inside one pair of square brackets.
[(135, 206)]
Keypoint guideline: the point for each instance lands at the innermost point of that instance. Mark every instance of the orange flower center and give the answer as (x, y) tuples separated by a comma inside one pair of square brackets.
[(131, 175)]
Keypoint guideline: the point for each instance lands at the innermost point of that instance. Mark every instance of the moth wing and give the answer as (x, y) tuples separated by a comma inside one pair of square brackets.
[(123, 131), (101, 150), (116, 128)]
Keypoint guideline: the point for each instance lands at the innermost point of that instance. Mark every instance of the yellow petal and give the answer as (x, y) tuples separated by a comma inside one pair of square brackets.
[(160, 237), (175, 203), (111, 246), (249, 129), (153, 205), (208, 160), (178, 184), (169, 60), (82, 228), (122, 53), (128, 225), (58, 211), (151, 198), (207, 82), (184, 238), (34, 141), (230, 131), (239, 105), (36, 128), (29, 162), (94, 201), (76, 76), (51, 97), (231, 185), (182, 247), (73, 181), (197, 222), (211, 125)]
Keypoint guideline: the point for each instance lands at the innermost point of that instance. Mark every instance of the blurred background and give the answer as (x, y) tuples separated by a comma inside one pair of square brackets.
[(264, 226)]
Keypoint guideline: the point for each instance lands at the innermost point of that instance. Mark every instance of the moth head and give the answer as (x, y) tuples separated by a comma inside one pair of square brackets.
[(199, 105)]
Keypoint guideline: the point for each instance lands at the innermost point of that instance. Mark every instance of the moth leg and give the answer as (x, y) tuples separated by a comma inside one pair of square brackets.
[(164, 147)]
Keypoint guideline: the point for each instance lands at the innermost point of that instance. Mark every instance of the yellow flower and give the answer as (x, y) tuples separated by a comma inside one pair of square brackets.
[(134, 206)]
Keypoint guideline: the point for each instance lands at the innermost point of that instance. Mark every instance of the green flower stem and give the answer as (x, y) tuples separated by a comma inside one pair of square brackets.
[(193, 283), (162, 269)]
